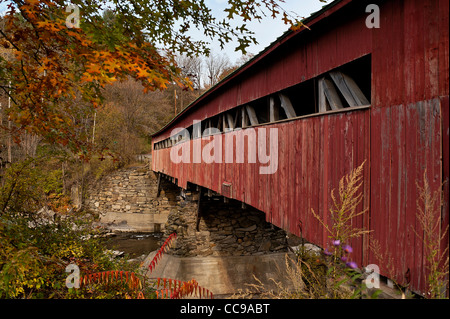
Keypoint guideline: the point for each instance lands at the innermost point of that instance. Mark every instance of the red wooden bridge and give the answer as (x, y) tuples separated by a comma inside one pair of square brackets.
[(338, 94)]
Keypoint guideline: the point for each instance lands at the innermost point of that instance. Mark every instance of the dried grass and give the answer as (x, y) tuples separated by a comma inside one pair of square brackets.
[(344, 208), (432, 235)]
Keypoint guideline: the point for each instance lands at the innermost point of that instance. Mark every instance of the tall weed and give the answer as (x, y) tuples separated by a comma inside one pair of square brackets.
[(432, 236)]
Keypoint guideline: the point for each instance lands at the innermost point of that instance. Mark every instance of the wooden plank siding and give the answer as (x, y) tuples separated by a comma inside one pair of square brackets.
[(294, 187), (404, 132)]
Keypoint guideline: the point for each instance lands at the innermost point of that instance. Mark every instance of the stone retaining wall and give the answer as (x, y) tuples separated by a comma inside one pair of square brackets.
[(126, 200), (224, 229)]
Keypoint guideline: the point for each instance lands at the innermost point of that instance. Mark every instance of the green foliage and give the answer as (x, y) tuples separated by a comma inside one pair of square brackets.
[(34, 255), (26, 186), (36, 244)]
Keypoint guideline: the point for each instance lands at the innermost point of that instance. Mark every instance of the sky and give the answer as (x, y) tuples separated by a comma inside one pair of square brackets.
[(266, 32)]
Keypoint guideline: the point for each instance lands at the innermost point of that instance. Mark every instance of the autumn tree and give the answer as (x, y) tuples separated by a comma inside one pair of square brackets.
[(129, 116), (59, 69)]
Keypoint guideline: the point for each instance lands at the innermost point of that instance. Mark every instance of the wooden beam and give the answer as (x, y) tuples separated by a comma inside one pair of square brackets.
[(349, 89), (327, 92), (224, 123), (220, 123), (252, 115), (159, 185), (322, 98), (231, 123), (287, 106), (244, 117), (199, 211), (208, 126), (197, 129), (273, 111)]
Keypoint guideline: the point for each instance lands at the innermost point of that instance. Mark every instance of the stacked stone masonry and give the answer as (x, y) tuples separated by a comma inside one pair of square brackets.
[(126, 200), (224, 229)]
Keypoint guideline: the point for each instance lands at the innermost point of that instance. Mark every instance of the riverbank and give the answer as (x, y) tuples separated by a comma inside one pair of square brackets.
[(133, 244)]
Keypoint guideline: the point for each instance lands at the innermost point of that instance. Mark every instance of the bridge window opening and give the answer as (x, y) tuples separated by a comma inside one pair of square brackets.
[(218, 122), (261, 107), (190, 130), (207, 127), (346, 86), (276, 113), (237, 115), (303, 97), (228, 121), (360, 71)]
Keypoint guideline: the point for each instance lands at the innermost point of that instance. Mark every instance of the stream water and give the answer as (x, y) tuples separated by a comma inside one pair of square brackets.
[(134, 244)]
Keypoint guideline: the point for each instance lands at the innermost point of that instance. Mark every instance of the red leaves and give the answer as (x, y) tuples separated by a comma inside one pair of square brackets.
[(176, 289), (107, 277), (164, 248), (171, 288), (165, 287)]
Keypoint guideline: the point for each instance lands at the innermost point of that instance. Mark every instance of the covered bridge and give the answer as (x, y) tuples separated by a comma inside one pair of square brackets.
[(334, 96)]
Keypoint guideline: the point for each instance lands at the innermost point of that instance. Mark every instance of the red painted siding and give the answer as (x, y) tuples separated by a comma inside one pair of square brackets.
[(311, 54), (308, 148)]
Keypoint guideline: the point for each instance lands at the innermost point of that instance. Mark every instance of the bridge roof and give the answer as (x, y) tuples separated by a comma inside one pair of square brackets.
[(324, 13)]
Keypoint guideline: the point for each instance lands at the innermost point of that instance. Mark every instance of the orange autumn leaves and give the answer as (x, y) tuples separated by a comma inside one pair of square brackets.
[(57, 74)]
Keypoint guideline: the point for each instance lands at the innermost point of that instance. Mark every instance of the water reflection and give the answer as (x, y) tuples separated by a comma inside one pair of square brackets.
[(134, 244)]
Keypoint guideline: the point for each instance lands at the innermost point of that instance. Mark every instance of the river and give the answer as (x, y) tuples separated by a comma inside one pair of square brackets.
[(134, 244)]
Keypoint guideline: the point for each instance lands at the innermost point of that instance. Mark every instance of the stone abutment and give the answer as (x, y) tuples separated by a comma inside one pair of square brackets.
[(220, 243)]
